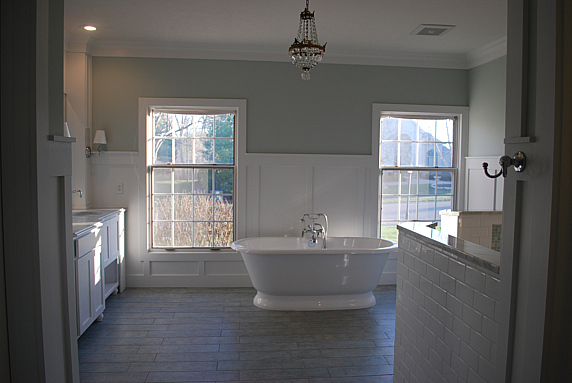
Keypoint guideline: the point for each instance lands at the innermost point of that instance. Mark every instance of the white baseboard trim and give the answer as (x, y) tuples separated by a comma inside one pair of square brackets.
[(389, 278), (189, 281)]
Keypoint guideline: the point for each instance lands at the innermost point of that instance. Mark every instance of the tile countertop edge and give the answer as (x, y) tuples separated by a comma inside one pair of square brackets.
[(471, 252), (90, 219)]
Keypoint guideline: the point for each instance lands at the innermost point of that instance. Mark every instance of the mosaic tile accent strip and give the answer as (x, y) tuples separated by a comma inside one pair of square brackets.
[(497, 235)]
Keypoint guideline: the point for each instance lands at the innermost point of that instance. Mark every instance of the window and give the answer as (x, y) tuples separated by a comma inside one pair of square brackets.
[(419, 158), (192, 170)]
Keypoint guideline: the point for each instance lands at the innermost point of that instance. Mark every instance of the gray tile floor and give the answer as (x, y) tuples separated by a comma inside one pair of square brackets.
[(218, 335)]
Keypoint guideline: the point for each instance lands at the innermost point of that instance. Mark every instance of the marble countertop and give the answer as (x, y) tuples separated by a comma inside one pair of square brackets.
[(85, 220), (477, 254)]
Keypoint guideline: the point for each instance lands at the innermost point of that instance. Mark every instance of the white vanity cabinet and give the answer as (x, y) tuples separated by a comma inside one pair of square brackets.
[(98, 262)]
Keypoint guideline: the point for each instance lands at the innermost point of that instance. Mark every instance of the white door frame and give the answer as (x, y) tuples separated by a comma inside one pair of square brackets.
[(527, 201)]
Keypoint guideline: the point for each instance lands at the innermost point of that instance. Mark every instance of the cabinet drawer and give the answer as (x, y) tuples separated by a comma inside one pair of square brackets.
[(87, 243)]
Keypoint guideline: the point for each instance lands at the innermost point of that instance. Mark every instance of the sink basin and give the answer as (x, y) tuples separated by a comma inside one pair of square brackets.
[(95, 213), (87, 219)]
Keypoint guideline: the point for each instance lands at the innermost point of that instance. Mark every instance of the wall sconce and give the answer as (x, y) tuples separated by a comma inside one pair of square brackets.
[(99, 139)]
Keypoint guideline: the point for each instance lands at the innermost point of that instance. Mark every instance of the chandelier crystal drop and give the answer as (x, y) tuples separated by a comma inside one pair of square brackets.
[(306, 52)]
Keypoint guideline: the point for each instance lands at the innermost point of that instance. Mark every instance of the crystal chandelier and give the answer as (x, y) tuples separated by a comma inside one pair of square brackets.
[(306, 52)]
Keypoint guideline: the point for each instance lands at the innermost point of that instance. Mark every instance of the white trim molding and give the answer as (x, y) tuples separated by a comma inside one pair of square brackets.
[(460, 146), (487, 53), (205, 52)]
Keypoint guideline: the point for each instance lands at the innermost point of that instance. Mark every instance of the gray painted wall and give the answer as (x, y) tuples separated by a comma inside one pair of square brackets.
[(487, 100), (330, 114)]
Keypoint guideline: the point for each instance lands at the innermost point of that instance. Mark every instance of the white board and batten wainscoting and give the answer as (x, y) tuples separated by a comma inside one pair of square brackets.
[(279, 189), (273, 193), (483, 193)]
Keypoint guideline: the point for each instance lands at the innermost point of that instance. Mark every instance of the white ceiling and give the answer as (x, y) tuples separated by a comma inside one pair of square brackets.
[(357, 32)]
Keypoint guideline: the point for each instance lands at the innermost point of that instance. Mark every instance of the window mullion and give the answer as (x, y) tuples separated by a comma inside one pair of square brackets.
[(172, 207), (435, 144), (194, 136), (417, 206), (398, 142), (213, 204), (454, 146), (399, 198), (193, 199), (213, 142), (408, 195), (416, 143), (173, 145), (435, 209), (213, 210)]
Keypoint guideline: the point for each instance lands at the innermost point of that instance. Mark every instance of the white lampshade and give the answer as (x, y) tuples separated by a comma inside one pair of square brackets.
[(100, 137)]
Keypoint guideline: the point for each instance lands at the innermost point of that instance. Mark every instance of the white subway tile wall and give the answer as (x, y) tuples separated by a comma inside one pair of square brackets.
[(446, 322)]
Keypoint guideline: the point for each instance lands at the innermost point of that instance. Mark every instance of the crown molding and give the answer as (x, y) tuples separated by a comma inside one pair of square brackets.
[(397, 59), (183, 51), (128, 49), (487, 53), (206, 52)]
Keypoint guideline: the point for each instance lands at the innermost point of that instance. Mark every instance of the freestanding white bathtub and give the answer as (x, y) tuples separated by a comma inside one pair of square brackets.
[(290, 275)]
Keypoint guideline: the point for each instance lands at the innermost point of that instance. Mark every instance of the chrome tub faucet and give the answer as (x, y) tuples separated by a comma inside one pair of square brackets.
[(315, 228)]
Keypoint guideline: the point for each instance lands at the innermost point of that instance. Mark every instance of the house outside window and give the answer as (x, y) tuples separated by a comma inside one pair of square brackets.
[(191, 165), (419, 162)]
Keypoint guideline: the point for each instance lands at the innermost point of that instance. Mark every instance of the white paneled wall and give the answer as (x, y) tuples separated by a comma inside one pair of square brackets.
[(275, 197), (482, 193), (279, 189), (273, 192)]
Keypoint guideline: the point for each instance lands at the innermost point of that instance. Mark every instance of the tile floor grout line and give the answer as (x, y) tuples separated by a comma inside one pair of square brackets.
[(337, 340)]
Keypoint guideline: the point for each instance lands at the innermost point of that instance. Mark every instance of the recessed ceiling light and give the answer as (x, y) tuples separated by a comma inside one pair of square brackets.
[(90, 28), (432, 30)]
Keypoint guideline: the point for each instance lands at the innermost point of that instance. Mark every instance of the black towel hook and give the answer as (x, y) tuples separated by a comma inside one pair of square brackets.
[(518, 161)]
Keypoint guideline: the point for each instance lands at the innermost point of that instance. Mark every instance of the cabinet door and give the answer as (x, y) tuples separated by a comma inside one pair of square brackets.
[(84, 271), (97, 285), (102, 243), (89, 289), (112, 239)]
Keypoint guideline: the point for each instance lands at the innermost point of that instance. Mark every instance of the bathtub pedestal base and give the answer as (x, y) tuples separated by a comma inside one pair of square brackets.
[(314, 302)]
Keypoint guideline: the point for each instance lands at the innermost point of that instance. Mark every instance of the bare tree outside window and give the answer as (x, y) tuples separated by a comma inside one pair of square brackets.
[(192, 179)]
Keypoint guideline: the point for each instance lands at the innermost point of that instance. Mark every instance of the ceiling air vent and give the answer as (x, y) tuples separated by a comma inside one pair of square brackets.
[(432, 30)]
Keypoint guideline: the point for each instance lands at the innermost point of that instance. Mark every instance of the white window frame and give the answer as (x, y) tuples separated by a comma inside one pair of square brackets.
[(460, 144), (146, 105)]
